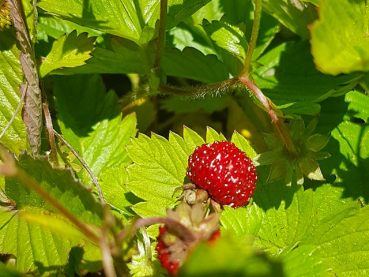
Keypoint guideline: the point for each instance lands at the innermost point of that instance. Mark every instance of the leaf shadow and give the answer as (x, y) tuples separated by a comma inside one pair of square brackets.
[(349, 172)]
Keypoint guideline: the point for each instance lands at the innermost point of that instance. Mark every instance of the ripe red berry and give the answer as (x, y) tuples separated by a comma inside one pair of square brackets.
[(224, 171), (164, 254)]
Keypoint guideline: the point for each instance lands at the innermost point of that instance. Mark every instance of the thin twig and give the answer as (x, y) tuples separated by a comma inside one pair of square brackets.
[(49, 127), (161, 37), (107, 259), (253, 38), (92, 175), (23, 89)]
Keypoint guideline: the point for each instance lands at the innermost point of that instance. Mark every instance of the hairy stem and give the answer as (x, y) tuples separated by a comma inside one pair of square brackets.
[(253, 38), (49, 127), (201, 91), (92, 175), (161, 37)]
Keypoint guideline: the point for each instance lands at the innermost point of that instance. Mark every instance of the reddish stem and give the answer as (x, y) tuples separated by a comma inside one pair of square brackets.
[(273, 115)]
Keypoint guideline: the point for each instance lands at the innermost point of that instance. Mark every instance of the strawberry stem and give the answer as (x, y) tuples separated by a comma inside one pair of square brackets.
[(253, 38), (161, 38)]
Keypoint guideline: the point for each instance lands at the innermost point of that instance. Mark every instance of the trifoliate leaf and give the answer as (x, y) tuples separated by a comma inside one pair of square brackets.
[(68, 51), (339, 38)]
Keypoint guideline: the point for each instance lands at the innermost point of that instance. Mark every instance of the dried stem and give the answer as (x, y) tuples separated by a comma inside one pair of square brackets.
[(49, 127), (161, 37), (92, 175)]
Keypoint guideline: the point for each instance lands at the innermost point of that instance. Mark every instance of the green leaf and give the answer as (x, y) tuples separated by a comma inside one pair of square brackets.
[(6, 271), (339, 38), (228, 37), (131, 20), (284, 219), (113, 185), (68, 51), (285, 81), (91, 122), (231, 257), (295, 15), (159, 167), (208, 68), (62, 186), (212, 135), (10, 78), (34, 246), (241, 142), (358, 104)]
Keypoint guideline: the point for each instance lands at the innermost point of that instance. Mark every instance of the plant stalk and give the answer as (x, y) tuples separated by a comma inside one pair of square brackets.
[(49, 127), (161, 37), (253, 38)]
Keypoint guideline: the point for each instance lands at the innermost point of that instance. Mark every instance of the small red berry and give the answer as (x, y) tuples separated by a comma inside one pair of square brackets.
[(224, 171)]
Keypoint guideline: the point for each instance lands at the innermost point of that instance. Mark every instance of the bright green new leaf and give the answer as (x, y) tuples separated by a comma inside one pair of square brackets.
[(228, 37), (91, 122), (10, 78), (339, 39), (241, 142), (68, 51), (62, 186), (212, 136)]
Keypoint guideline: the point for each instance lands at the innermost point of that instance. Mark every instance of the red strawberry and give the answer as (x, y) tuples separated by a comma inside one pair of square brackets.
[(224, 171)]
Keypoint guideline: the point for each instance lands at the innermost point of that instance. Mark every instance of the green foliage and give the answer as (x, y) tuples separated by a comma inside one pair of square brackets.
[(339, 38), (103, 76), (67, 51)]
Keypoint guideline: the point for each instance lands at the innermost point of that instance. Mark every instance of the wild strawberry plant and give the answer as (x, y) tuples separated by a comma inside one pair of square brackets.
[(94, 155)]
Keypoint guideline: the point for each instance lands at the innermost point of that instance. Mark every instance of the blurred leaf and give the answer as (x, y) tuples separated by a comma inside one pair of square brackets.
[(231, 257), (10, 78), (295, 15), (339, 38), (7, 271), (68, 51)]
